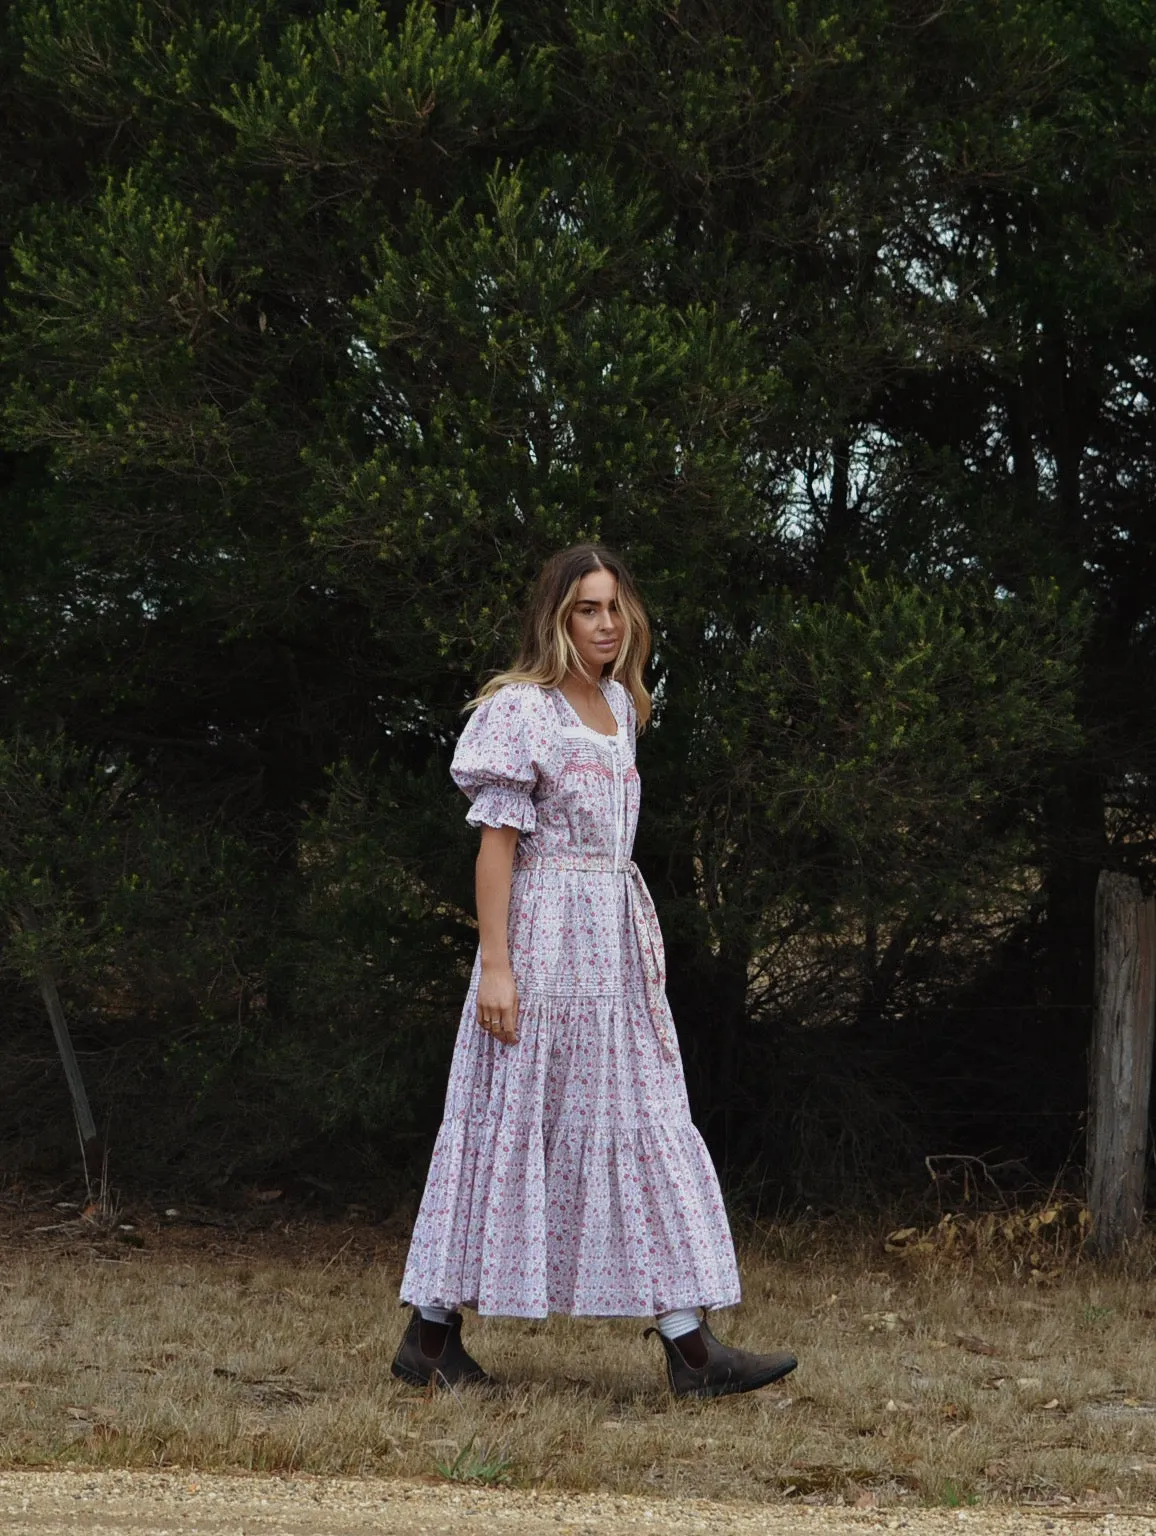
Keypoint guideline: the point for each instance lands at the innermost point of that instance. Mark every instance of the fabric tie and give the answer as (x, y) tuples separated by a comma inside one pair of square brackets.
[(643, 919)]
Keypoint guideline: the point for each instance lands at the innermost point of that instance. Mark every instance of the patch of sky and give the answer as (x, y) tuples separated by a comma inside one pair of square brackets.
[(810, 482)]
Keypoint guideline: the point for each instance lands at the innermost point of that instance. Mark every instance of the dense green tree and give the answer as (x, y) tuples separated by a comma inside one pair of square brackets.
[(325, 323)]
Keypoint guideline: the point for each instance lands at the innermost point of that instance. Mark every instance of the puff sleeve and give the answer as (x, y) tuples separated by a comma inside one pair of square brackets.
[(504, 748)]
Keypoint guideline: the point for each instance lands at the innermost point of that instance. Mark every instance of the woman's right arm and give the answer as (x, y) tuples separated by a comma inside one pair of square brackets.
[(497, 990)]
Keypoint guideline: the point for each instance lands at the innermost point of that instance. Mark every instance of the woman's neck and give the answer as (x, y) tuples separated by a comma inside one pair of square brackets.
[(578, 683)]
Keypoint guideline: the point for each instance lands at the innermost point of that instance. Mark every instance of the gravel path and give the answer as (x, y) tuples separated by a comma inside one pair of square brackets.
[(172, 1504)]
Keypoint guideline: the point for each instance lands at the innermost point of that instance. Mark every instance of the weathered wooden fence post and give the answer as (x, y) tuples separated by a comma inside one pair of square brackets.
[(1120, 1064)]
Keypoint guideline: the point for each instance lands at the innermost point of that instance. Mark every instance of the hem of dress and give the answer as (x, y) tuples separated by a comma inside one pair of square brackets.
[(539, 1316)]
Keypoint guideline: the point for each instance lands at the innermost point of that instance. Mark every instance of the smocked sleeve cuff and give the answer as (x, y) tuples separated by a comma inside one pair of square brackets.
[(496, 805)]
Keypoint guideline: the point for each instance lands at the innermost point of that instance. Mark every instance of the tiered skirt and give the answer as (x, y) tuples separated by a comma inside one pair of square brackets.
[(567, 1175)]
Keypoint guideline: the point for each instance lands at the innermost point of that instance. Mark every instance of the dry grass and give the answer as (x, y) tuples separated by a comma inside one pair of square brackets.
[(923, 1379)]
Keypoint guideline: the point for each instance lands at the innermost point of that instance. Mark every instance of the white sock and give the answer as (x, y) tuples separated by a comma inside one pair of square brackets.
[(673, 1325), (435, 1314)]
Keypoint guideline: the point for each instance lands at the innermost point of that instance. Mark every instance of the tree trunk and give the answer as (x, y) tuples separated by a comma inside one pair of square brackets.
[(50, 993), (1121, 1059)]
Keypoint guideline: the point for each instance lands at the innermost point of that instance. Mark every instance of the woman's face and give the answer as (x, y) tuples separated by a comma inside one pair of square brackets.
[(595, 624)]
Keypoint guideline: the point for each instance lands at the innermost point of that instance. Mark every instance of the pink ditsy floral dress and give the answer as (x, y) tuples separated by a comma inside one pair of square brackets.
[(567, 1175)]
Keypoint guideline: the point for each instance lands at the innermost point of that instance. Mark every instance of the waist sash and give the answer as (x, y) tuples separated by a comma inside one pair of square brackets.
[(643, 919)]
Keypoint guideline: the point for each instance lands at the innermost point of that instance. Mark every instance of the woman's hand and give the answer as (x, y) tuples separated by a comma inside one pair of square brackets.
[(498, 1003)]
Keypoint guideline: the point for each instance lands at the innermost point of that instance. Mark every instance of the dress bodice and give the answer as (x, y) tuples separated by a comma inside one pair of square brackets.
[(526, 760)]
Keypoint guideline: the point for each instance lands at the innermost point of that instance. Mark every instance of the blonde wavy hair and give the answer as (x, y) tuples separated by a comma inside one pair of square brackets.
[(547, 652)]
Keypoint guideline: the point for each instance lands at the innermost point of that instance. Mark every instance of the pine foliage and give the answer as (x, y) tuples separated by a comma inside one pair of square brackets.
[(325, 322)]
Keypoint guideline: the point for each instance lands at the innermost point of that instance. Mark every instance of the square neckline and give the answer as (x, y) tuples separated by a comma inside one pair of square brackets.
[(589, 729)]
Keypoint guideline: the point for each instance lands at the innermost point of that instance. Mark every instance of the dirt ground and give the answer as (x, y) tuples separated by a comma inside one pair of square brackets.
[(37, 1217), (178, 1368), (159, 1504)]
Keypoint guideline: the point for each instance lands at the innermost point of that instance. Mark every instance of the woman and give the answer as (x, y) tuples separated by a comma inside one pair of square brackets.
[(567, 1175)]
